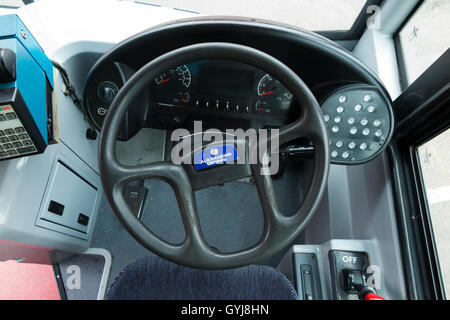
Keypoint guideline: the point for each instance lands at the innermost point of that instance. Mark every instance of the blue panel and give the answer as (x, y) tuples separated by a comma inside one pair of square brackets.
[(8, 25), (32, 85), (35, 50), (12, 27), (34, 69)]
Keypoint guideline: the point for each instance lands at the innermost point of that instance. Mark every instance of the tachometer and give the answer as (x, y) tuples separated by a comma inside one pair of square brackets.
[(172, 87), (266, 85), (180, 75), (184, 75)]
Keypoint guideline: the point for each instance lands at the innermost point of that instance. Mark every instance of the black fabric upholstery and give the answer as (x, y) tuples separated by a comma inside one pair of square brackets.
[(152, 278)]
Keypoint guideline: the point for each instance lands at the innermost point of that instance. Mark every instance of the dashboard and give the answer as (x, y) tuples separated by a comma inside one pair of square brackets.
[(225, 94), (220, 92)]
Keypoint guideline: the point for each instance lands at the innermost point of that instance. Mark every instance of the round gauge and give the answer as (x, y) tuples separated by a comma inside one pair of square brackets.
[(184, 75), (184, 97), (180, 75), (268, 87), (98, 104), (261, 106), (162, 78), (272, 94)]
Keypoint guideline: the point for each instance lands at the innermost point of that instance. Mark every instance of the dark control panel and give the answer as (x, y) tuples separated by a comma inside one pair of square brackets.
[(306, 276), (222, 87), (343, 263), (359, 120), (100, 92)]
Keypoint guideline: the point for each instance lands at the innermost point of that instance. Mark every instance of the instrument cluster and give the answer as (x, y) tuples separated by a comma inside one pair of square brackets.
[(222, 86)]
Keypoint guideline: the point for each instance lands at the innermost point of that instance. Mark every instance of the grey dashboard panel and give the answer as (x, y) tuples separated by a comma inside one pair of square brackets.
[(71, 199), (357, 213), (23, 186), (77, 58), (385, 277)]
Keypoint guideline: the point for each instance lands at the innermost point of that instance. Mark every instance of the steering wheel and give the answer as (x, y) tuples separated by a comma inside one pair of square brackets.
[(279, 230)]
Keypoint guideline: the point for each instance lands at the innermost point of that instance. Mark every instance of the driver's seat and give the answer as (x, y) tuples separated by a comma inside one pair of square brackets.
[(152, 278)]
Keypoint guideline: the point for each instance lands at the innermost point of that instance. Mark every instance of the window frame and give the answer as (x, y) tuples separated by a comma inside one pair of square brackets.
[(427, 220), (358, 27), (399, 50), (419, 119)]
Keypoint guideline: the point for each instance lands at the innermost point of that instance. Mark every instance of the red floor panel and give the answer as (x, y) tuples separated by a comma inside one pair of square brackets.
[(26, 281)]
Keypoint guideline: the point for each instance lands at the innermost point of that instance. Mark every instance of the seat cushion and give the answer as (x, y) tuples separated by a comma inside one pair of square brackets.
[(153, 278)]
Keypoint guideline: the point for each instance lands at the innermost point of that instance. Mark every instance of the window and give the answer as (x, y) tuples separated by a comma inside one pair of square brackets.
[(434, 158), (317, 15), (424, 38)]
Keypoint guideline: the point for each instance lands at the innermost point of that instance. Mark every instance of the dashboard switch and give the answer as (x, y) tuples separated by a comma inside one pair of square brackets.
[(56, 208), (306, 276), (347, 269), (83, 219), (107, 91)]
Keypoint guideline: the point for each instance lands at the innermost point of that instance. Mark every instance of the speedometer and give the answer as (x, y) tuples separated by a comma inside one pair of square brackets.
[(266, 85), (269, 87), (272, 94)]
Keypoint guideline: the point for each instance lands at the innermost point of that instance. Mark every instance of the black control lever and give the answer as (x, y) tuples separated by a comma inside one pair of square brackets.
[(297, 152)]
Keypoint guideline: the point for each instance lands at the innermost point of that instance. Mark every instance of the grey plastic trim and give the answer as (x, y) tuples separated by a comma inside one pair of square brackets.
[(106, 269), (358, 245)]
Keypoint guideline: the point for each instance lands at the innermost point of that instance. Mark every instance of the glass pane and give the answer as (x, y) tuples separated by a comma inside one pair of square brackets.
[(425, 37), (317, 15), (435, 163)]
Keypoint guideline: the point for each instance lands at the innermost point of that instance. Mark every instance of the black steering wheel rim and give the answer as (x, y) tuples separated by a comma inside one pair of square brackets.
[(279, 230)]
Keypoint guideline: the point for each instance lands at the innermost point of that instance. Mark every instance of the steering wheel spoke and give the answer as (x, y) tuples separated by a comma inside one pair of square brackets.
[(177, 178)]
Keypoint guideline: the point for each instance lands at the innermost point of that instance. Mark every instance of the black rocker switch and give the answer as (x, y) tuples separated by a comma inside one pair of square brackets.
[(83, 219), (347, 273), (353, 280), (7, 65)]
